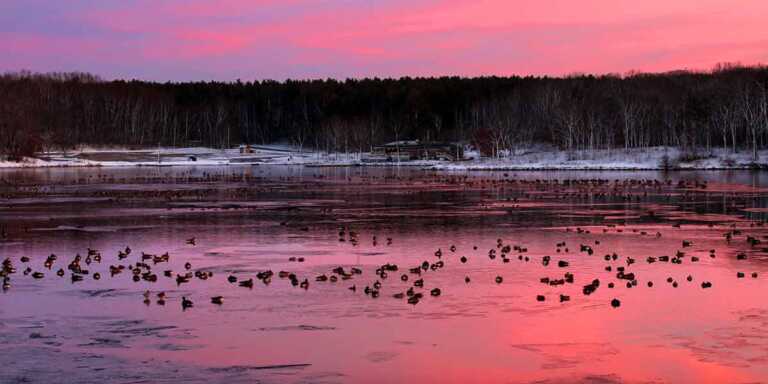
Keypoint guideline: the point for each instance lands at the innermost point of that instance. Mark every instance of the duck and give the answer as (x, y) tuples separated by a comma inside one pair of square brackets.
[(186, 303), (218, 300), (247, 283), (180, 279), (164, 258), (150, 277), (591, 287)]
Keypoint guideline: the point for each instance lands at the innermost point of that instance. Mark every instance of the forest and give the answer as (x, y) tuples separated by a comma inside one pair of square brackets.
[(724, 107)]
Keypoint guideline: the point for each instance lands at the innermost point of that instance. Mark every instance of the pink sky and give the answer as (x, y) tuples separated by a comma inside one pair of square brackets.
[(279, 39)]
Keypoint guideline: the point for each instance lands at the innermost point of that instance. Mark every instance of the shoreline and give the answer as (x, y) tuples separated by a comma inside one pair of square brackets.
[(435, 167), (535, 158)]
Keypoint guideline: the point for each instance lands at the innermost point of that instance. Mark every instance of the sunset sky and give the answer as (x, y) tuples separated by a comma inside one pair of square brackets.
[(278, 39)]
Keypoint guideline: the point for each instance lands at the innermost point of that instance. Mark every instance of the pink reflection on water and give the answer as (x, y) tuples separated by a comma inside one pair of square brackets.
[(476, 332)]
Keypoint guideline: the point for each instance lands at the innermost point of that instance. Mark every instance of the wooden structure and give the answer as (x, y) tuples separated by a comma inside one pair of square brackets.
[(246, 148), (416, 150)]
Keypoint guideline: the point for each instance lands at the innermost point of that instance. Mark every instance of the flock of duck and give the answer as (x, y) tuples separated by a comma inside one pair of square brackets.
[(246, 186), (410, 281), (148, 268)]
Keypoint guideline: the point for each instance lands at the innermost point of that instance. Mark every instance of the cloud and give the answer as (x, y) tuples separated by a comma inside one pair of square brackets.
[(228, 39)]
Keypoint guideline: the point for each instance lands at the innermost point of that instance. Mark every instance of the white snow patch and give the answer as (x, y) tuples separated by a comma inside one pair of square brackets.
[(616, 159), (533, 158)]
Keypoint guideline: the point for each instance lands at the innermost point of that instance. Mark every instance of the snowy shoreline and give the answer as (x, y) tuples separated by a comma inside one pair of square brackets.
[(531, 159)]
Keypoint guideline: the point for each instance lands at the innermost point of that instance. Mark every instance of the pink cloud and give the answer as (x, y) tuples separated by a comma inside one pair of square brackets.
[(314, 38)]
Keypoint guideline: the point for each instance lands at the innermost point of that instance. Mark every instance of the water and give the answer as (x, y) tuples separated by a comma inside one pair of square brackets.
[(250, 219)]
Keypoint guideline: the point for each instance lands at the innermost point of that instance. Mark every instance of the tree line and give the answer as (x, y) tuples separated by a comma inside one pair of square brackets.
[(725, 107)]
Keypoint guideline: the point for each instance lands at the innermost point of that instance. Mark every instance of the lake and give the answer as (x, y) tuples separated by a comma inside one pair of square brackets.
[(572, 276)]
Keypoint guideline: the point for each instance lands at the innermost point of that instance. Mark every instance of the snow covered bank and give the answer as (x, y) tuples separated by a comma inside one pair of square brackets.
[(538, 158), (116, 157), (618, 159)]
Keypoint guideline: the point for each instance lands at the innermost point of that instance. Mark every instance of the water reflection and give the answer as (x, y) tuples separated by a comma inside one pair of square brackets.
[(247, 220)]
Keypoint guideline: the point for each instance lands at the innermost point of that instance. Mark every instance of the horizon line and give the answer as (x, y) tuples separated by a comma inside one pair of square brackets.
[(719, 67)]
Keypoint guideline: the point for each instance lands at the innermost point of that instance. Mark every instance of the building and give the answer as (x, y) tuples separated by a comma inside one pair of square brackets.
[(246, 148), (416, 150)]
